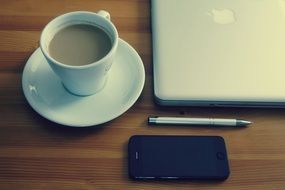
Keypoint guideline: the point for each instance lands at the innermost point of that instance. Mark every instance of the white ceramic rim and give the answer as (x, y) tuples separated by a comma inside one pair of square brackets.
[(53, 21)]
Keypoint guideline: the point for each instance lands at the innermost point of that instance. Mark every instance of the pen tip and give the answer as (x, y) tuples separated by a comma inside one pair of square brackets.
[(248, 122), (243, 123)]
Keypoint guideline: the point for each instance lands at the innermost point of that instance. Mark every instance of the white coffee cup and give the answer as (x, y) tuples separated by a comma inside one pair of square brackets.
[(87, 79)]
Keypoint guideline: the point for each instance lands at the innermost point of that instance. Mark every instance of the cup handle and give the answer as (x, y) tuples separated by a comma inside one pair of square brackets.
[(104, 14)]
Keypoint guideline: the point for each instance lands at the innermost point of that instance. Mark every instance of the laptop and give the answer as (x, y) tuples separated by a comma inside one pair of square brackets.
[(219, 52)]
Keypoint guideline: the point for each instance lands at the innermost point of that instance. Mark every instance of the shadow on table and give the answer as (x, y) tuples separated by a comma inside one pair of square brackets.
[(55, 129)]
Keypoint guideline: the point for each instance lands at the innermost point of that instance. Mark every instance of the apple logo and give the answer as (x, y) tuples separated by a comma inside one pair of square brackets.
[(222, 16)]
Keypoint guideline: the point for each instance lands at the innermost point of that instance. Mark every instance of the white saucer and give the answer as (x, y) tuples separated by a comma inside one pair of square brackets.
[(47, 96)]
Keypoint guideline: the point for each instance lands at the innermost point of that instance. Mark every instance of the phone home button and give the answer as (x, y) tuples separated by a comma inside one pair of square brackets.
[(220, 155)]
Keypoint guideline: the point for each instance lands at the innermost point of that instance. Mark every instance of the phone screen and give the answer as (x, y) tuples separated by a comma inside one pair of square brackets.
[(172, 157)]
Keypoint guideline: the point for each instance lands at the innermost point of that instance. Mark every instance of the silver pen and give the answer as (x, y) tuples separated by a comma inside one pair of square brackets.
[(197, 121)]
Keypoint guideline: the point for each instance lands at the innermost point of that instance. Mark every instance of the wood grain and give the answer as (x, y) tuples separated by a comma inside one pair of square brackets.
[(38, 154)]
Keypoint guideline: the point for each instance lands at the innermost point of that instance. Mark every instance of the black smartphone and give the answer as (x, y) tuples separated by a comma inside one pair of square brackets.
[(177, 157)]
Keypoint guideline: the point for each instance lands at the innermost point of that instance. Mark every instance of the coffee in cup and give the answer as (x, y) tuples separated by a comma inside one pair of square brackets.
[(80, 44)]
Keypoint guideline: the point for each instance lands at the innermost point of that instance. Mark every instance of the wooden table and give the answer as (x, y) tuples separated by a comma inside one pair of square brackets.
[(38, 154)]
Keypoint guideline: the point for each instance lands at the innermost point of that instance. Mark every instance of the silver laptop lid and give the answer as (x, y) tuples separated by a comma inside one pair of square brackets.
[(219, 52)]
